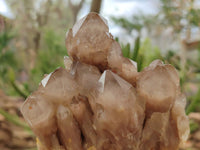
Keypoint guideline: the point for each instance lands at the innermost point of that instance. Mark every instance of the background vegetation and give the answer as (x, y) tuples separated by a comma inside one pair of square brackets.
[(33, 44)]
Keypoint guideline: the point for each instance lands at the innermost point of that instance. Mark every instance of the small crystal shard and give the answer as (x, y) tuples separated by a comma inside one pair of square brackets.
[(100, 102)]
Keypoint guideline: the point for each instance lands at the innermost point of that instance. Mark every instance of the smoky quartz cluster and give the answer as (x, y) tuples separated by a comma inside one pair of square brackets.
[(99, 101)]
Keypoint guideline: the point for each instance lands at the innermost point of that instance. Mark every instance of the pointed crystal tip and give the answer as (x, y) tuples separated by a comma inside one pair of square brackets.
[(89, 40)]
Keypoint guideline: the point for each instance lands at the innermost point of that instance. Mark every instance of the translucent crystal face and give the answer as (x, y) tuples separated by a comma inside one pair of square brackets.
[(115, 102), (89, 40), (36, 110), (60, 86), (99, 101), (161, 90)]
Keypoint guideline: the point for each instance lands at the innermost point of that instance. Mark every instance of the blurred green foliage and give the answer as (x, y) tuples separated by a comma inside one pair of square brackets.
[(16, 120), (8, 61), (49, 58), (7, 58), (143, 53)]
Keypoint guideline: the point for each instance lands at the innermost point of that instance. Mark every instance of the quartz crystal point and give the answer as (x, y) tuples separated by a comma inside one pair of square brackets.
[(60, 87), (42, 121), (166, 123), (124, 67), (119, 114), (89, 40), (157, 84), (100, 102), (87, 76)]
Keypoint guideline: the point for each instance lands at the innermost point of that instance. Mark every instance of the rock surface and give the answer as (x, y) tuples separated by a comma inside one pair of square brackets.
[(100, 101)]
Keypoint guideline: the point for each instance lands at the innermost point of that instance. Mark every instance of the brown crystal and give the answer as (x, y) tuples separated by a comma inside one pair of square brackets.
[(100, 102), (89, 40), (157, 86), (118, 113), (40, 119), (68, 129), (124, 67)]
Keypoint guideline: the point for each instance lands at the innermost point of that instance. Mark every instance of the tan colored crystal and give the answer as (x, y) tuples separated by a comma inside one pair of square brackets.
[(89, 41), (159, 133), (59, 87), (124, 67), (118, 113), (83, 114), (86, 76), (179, 117), (41, 119), (157, 86), (68, 129), (98, 48), (100, 102)]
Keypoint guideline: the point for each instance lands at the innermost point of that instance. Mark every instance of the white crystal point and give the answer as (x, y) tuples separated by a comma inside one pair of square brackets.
[(134, 63), (102, 81), (46, 79)]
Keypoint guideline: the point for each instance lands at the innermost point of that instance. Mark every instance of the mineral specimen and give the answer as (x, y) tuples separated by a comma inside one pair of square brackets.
[(100, 102)]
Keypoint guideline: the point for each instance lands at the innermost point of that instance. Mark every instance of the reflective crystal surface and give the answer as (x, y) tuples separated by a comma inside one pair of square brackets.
[(100, 102)]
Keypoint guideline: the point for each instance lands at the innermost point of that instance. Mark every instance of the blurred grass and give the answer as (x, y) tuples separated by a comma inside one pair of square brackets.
[(16, 121), (195, 101)]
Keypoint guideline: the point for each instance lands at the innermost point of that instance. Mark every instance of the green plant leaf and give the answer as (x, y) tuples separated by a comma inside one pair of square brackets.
[(136, 49), (126, 50)]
